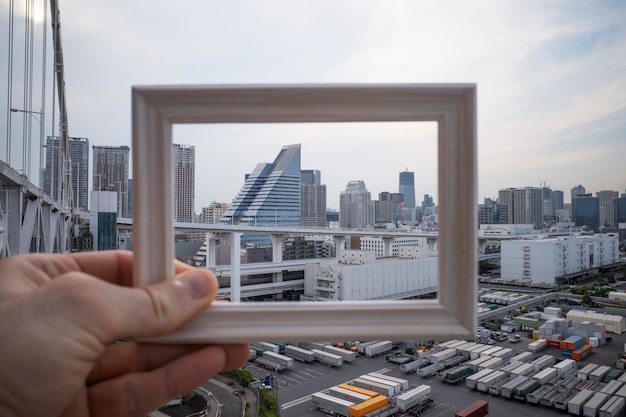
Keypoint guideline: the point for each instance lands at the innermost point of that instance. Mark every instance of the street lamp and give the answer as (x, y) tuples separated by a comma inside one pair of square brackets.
[(41, 144)]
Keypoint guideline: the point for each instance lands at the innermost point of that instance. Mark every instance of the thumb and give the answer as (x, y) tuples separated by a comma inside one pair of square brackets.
[(115, 312), (161, 308)]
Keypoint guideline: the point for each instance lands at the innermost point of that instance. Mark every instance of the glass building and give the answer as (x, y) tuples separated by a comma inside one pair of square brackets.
[(587, 211), (407, 188)]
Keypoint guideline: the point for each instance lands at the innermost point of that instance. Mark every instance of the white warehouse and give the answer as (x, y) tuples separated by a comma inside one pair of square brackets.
[(384, 279), (544, 260), (377, 245)]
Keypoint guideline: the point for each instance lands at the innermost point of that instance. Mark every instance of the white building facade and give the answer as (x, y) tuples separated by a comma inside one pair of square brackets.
[(544, 260), (377, 245)]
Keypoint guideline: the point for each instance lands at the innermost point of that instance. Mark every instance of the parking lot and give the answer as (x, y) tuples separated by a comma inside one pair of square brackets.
[(294, 386)]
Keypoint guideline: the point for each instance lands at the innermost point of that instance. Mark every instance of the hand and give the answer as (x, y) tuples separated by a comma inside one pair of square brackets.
[(57, 322)]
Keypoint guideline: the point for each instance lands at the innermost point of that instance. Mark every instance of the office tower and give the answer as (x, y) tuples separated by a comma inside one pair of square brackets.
[(270, 194), (620, 210), (110, 173), (78, 164), (213, 212), (428, 205), (389, 207), (557, 201), (523, 205), (407, 188), (489, 212), (587, 212), (608, 215), (575, 192), (312, 199), (184, 174), (356, 209)]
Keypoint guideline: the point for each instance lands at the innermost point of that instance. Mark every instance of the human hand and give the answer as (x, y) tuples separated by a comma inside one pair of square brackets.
[(57, 322)]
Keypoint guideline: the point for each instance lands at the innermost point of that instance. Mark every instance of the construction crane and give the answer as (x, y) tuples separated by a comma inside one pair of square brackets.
[(66, 182)]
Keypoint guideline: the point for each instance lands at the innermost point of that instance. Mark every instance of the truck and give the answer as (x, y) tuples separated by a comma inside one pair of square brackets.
[(514, 338), (413, 397), (413, 365), (478, 408), (369, 406), (592, 407), (347, 355), (327, 358), (378, 348), (575, 404), (398, 357), (278, 358), (270, 364), (613, 407), (521, 391), (330, 404), (457, 374), (300, 354)]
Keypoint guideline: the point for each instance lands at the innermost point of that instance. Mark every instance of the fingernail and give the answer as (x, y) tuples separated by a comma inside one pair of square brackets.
[(198, 284)]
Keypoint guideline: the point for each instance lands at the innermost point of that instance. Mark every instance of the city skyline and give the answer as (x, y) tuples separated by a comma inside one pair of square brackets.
[(551, 86)]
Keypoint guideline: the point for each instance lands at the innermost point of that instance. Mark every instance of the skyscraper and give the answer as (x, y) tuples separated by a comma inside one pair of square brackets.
[(608, 215), (79, 166), (523, 205), (575, 192), (407, 188), (110, 173), (184, 166), (312, 199), (270, 194), (587, 211), (356, 209), (389, 207)]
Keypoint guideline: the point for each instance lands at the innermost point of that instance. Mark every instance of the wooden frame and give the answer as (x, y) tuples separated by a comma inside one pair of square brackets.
[(453, 107)]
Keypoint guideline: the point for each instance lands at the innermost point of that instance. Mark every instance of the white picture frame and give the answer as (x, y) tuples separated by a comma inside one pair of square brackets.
[(452, 106)]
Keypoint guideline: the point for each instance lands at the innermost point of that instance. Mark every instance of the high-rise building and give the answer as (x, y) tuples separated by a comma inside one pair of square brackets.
[(608, 215), (356, 209), (78, 164), (557, 201), (270, 194), (110, 173), (587, 212), (575, 192), (184, 166), (620, 210), (213, 212), (407, 188), (312, 199), (389, 207), (523, 205)]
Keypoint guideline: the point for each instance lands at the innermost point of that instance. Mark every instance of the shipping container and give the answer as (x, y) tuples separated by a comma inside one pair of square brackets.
[(266, 346), (524, 369), (576, 403), (504, 353), (476, 362), (612, 387), (599, 373), (537, 396), (586, 371), (546, 375), (414, 365), (361, 346), (478, 351), (543, 361), (458, 374), (613, 407), (565, 367), (478, 408), (430, 370), (493, 363), (592, 407), (412, 397), (443, 355), (366, 407)]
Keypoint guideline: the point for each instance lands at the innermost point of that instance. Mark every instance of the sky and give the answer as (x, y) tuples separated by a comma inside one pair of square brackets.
[(550, 76)]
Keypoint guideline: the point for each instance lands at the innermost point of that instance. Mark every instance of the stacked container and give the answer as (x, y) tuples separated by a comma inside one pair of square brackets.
[(537, 345)]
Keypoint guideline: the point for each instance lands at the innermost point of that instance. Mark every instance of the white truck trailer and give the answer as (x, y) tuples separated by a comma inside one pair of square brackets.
[(489, 380), (613, 407), (331, 404), (300, 354), (414, 365), (347, 355), (378, 387), (266, 346), (507, 389), (412, 397), (397, 387), (378, 348), (327, 358), (404, 384), (278, 358), (592, 407), (575, 404), (472, 380), (348, 395)]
